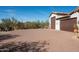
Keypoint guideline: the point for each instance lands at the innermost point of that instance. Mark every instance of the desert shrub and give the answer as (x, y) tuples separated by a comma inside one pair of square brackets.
[(32, 25), (20, 25), (24, 47), (9, 24), (44, 24), (36, 25)]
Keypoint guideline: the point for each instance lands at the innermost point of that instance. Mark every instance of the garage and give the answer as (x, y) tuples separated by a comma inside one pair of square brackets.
[(64, 21), (68, 24)]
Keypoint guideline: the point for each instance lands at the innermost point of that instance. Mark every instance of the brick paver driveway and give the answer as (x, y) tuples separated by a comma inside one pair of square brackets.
[(58, 41)]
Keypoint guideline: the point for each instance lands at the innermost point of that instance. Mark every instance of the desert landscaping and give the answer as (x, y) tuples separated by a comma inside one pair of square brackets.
[(42, 31), (58, 41)]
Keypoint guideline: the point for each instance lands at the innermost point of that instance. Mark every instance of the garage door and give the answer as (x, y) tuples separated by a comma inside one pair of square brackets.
[(67, 24)]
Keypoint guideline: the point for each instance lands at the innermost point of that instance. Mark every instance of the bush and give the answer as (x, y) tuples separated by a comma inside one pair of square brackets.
[(9, 24)]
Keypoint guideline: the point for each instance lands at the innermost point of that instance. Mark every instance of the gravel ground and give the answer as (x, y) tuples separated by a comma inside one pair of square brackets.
[(59, 41)]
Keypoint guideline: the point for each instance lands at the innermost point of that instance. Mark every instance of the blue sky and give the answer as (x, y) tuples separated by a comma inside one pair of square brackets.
[(32, 13)]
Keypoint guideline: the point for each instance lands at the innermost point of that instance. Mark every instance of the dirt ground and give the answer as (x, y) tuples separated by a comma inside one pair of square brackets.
[(59, 41)]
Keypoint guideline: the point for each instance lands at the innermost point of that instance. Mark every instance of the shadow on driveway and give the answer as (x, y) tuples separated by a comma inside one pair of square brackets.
[(7, 36)]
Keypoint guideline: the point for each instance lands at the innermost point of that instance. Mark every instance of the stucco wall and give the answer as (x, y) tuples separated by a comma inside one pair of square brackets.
[(50, 18), (57, 16), (57, 25)]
